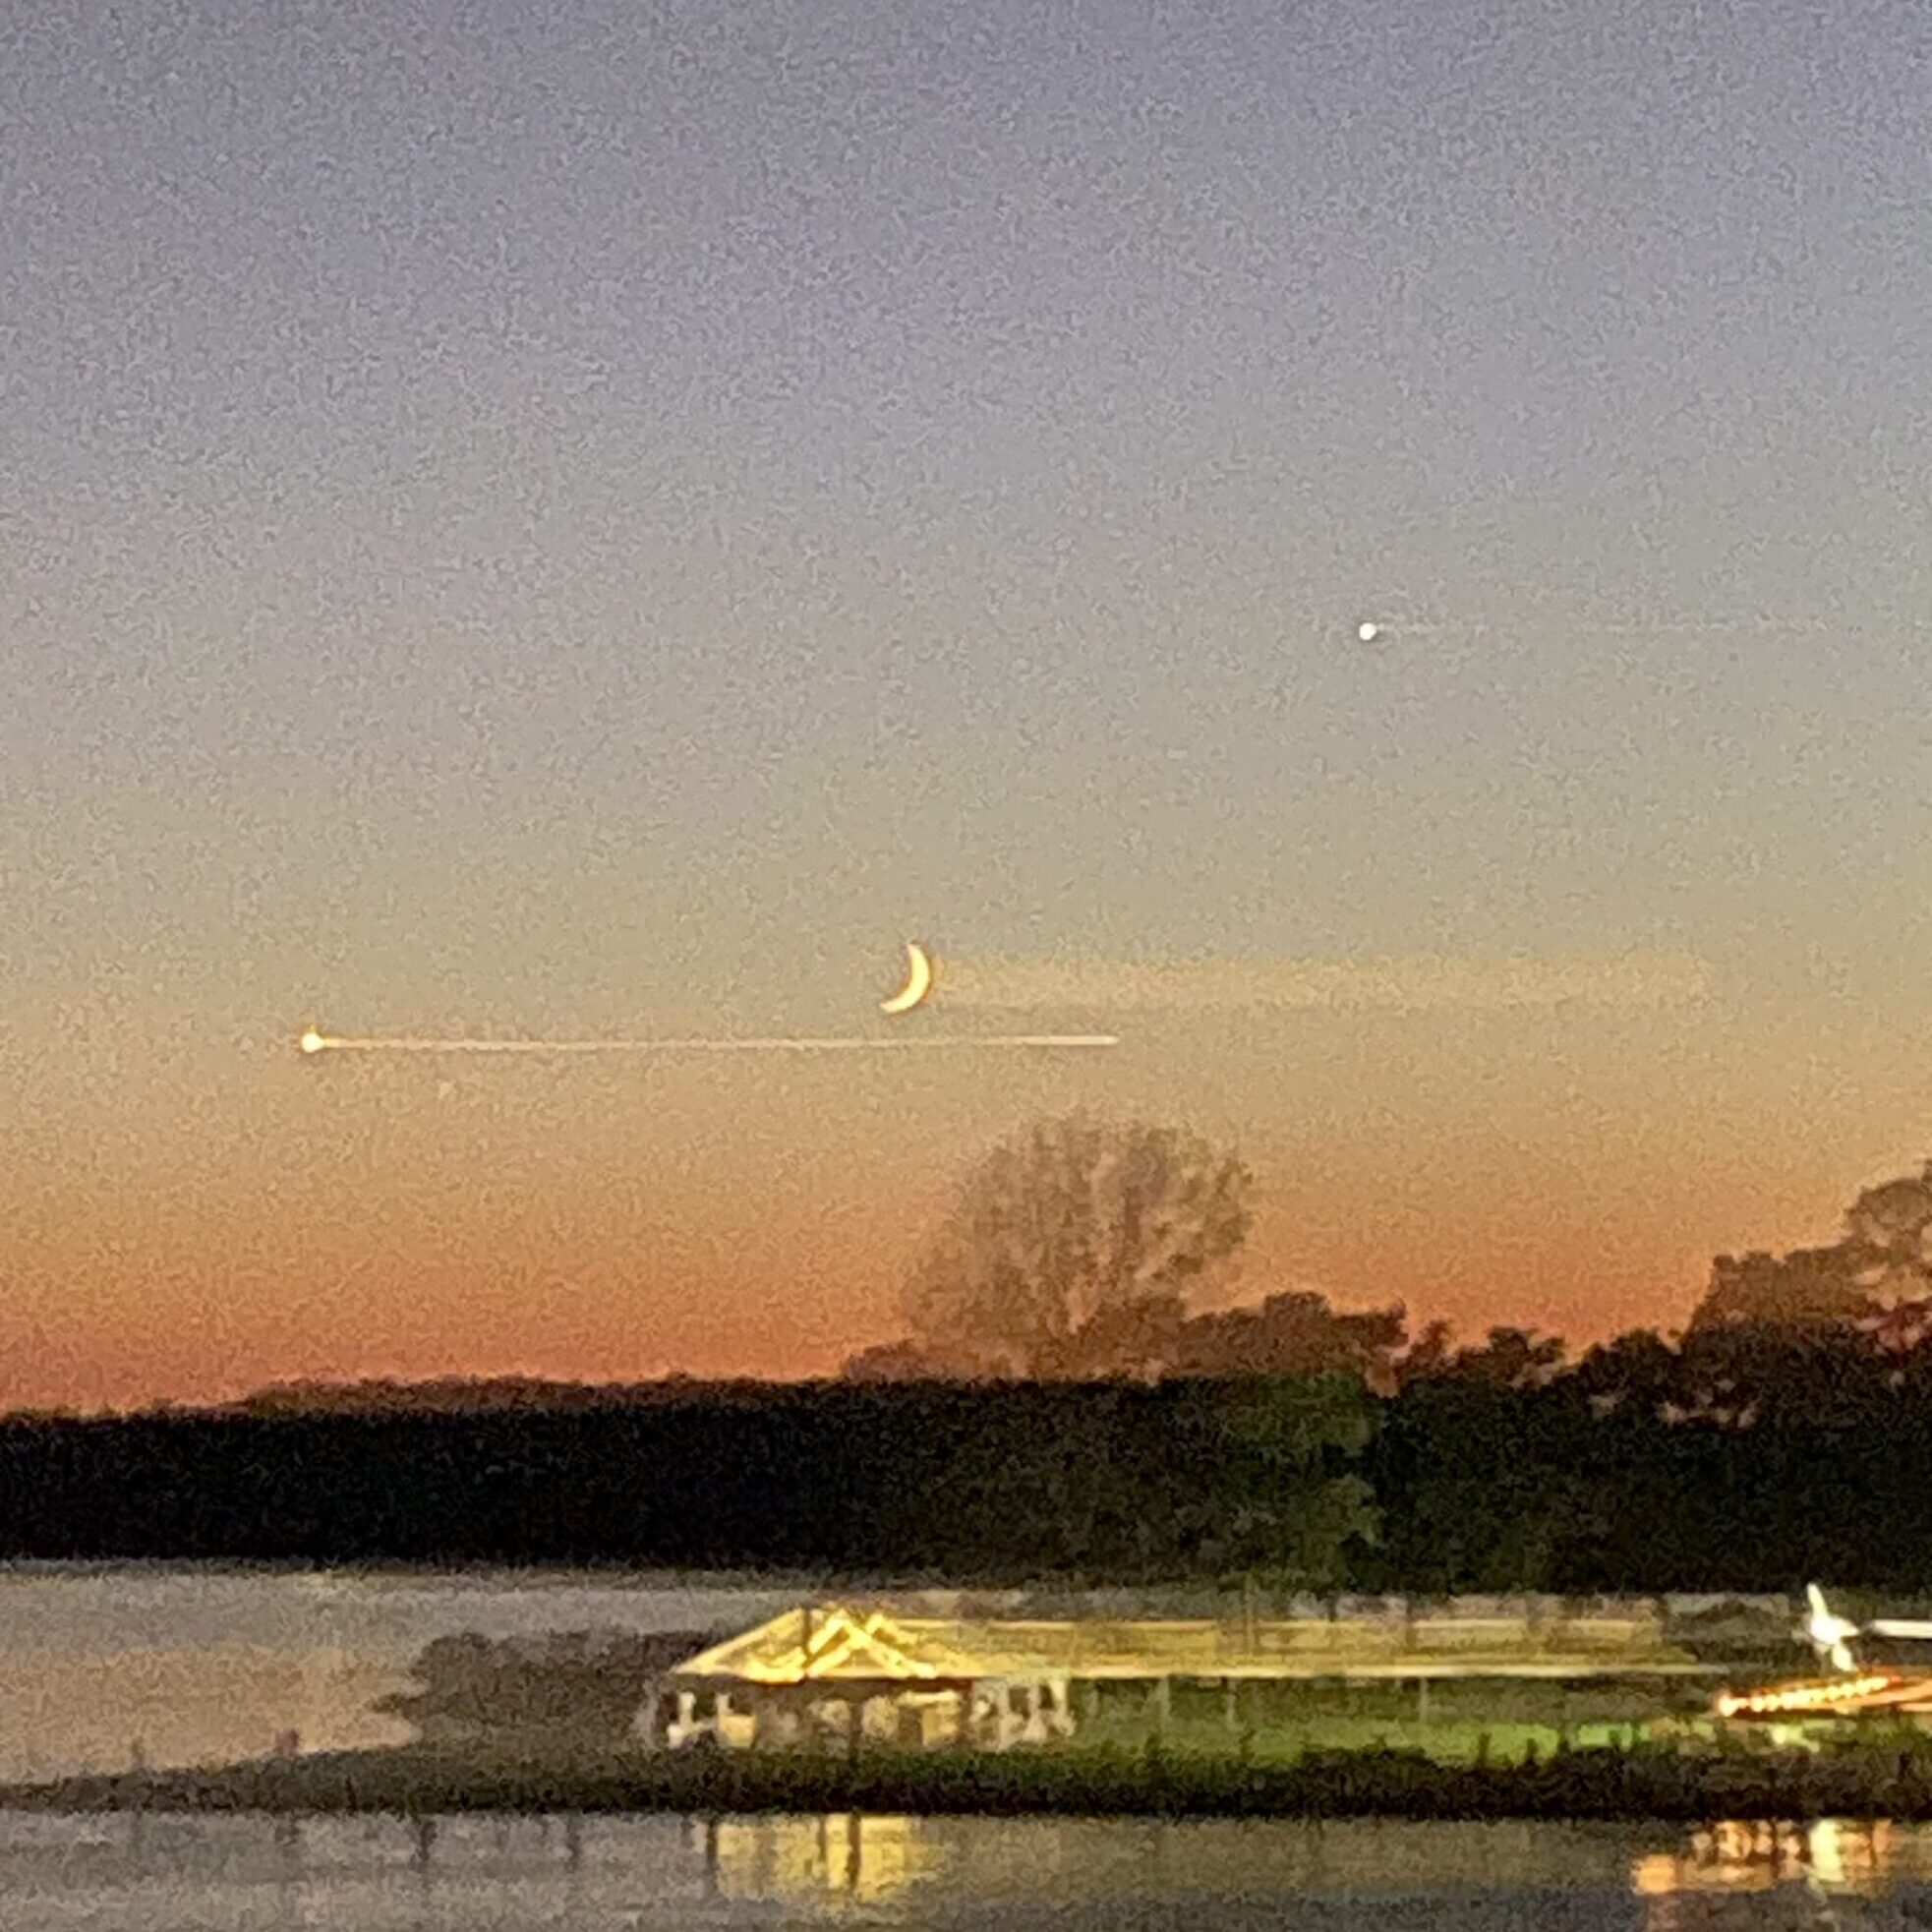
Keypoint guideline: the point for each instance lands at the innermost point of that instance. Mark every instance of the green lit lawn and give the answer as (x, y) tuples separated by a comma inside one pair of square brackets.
[(1453, 1740)]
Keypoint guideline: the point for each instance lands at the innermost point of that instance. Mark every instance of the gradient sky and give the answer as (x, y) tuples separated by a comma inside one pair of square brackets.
[(595, 517)]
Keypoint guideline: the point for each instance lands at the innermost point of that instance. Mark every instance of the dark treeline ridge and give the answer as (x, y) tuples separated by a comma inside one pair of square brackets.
[(927, 1479), (1749, 1456)]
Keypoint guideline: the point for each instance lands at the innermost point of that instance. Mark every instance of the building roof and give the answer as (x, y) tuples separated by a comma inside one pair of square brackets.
[(837, 1643), (832, 1645)]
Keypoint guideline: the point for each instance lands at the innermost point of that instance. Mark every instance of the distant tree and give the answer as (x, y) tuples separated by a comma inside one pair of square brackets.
[(1296, 1333), (1274, 1491), (1740, 1374), (1427, 1355), (1138, 1337), (1882, 1262), (1510, 1358), (1477, 1469), (893, 1361), (576, 1688), (1072, 1250), (1637, 1373), (1507, 1358), (1902, 1328), (1888, 1230), (1809, 1288)]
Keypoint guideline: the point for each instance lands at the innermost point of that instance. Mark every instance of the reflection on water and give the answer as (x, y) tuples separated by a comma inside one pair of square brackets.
[(1829, 1873), (117, 1874), (1830, 1854), (866, 1859)]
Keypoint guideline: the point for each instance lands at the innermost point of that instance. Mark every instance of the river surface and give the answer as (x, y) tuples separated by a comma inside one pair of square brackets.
[(202, 1666), (117, 1874)]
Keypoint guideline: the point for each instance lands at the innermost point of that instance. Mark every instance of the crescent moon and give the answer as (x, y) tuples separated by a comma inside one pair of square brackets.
[(918, 981)]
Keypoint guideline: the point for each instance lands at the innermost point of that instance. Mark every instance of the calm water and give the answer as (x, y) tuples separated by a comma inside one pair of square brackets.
[(650, 1875), (209, 1666)]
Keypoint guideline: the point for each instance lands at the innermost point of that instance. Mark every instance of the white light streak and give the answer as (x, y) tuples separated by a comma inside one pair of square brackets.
[(1580, 624), (313, 1041)]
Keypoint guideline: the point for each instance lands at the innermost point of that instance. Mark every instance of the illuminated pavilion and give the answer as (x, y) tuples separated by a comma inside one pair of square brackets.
[(833, 1671)]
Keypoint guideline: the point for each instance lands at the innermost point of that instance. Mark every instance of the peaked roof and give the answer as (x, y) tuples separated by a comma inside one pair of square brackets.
[(830, 1643)]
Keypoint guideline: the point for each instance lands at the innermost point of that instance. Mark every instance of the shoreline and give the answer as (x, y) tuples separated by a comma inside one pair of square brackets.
[(1865, 1782)]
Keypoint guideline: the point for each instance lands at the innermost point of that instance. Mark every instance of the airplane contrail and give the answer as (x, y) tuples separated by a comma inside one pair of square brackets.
[(313, 1041)]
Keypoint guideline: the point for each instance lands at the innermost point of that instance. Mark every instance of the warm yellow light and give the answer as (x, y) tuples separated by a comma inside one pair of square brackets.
[(1801, 1697), (836, 1638), (312, 1042), (1656, 1876)]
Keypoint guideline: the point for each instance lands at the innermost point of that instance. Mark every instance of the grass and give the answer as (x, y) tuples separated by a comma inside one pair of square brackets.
[(1448, 1740)]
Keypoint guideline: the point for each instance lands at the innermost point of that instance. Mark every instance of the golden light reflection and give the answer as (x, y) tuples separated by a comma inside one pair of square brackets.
[(1654, 1875), (864, 1859), (1741, 1856)]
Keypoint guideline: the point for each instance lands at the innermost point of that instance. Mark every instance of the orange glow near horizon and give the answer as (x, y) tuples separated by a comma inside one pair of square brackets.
[(579, 1276), (192, 1221)]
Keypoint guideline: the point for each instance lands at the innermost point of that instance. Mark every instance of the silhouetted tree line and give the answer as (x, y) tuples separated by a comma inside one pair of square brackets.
[(1787, 1434), (1735, 1462), (1075, 1248), (1007, 1480), (1057, 1411), (1735, 1459)]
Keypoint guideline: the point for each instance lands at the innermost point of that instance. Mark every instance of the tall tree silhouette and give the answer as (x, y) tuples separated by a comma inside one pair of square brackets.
[(1072, 1250)]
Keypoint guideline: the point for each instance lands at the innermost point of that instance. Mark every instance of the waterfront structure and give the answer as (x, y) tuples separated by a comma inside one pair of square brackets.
[(838, 1671)]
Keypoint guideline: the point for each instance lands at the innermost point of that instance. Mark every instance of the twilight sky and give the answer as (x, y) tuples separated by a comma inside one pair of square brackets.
[(605, 516)]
